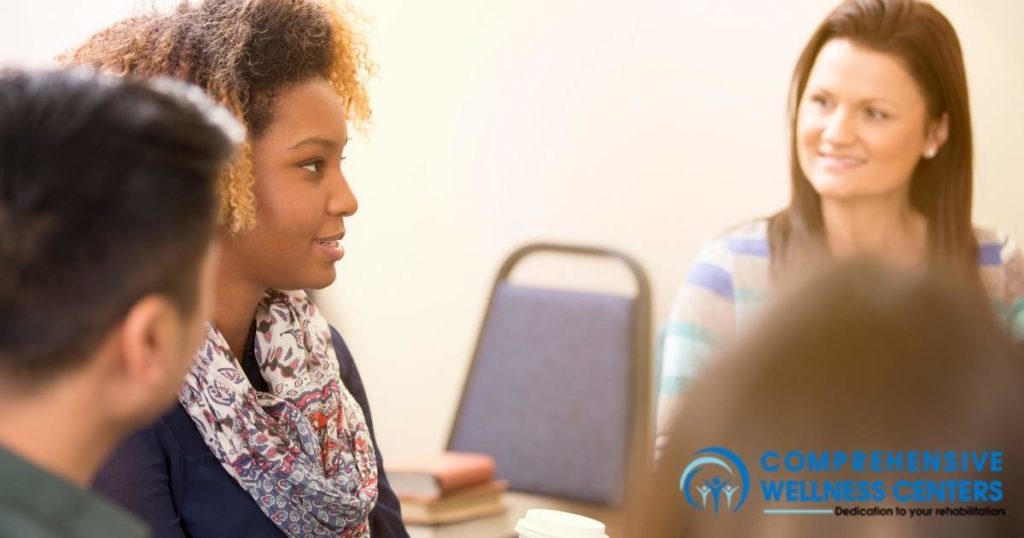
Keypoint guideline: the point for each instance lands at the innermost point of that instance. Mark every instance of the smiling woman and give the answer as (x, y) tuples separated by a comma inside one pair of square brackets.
[(302, 193), (860, 136), (881, 166), (272, 435)]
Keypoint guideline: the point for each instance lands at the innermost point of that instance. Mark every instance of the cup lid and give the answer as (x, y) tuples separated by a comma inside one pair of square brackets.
[(544, 523)]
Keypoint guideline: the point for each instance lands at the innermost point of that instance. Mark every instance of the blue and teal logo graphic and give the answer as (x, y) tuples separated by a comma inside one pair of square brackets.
[(716, 475)]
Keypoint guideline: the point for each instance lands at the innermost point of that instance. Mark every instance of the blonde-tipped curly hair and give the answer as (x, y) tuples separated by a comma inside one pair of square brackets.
[(244, 53)]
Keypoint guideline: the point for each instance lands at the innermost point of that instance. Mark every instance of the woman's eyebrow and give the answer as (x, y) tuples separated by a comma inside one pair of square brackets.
[(317, 141)]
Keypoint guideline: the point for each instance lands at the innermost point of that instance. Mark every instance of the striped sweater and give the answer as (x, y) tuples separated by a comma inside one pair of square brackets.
[(729, 284)]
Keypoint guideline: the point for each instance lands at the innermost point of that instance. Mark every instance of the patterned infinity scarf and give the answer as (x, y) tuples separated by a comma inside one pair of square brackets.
[(303, 451)]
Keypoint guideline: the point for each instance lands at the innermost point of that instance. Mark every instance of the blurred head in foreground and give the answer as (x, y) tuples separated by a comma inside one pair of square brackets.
[(106, 216), (860, 359)]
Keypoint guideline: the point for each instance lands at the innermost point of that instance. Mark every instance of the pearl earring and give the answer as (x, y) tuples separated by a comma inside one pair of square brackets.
[(930, 152)]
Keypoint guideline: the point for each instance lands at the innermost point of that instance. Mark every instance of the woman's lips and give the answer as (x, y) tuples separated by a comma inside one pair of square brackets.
[(839, 162), (331, 246), (332, 249)]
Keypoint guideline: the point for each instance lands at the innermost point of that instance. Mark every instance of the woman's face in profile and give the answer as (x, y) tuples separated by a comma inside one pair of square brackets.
[(301, 193), (862, 124)]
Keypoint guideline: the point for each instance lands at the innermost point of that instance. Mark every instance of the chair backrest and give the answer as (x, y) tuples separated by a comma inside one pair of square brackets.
[(559, 388)]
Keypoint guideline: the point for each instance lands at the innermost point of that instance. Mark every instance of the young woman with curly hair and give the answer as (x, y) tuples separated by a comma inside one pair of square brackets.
[(273, 434)]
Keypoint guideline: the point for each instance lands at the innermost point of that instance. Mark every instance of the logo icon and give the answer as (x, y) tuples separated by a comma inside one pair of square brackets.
[(721, 475)]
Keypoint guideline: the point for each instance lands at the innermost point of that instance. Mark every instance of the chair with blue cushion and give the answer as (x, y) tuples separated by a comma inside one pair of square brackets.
[(559, 388)]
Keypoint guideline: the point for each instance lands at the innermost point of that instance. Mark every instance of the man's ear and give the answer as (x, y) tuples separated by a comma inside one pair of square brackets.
[(142, 359)]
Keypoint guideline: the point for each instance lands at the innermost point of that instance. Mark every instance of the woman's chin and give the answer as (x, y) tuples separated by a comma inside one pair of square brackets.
[(324, 280), (317, 280), (836, 189)]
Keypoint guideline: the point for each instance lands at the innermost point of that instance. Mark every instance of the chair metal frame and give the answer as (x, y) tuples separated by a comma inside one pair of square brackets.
[(641, 433)]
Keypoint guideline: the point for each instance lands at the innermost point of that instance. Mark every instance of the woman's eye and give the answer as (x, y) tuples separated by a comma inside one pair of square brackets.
[(313, 166), (876, 114), (819, 100)]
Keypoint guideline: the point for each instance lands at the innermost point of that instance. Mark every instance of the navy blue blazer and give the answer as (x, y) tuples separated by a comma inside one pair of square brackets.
[(167, 475)]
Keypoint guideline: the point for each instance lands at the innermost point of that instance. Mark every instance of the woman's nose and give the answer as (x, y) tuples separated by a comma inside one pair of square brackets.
[(342, 201), (838, 129)]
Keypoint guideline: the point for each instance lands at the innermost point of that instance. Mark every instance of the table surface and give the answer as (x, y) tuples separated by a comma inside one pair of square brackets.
[(503, 525)]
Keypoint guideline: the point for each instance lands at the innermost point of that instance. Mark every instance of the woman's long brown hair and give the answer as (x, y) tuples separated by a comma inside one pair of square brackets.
[(927, 45)]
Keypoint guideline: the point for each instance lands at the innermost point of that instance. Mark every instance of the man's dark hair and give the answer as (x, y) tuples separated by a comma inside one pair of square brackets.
[(106, 195)]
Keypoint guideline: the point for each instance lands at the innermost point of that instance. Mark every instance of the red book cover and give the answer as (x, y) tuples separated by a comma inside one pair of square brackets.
[(440, 474)]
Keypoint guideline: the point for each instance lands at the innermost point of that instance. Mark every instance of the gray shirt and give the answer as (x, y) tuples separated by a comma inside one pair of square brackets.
[(37, 504)]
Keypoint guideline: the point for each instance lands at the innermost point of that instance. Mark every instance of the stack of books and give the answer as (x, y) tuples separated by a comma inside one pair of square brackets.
[(446, 488)]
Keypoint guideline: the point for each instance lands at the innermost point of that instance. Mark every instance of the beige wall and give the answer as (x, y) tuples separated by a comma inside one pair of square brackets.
[(643, 126)]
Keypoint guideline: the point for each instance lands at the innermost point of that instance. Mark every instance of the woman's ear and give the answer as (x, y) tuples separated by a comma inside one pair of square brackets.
[(935, 138)]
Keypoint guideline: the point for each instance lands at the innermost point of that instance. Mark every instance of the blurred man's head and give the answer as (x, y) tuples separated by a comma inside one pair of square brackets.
[(861, 359), (106, 251)]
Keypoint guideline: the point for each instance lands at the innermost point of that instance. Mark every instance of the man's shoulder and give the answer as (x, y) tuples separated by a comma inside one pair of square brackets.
[(15, 522), (34, 503)]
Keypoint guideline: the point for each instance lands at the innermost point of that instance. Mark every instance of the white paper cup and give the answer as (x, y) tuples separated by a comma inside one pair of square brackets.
[(541, 523)]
